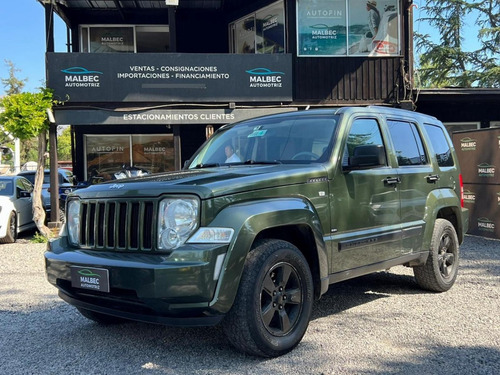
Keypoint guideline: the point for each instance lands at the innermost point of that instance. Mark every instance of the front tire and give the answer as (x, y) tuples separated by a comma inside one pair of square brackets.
[(273, 306), (440, 271)]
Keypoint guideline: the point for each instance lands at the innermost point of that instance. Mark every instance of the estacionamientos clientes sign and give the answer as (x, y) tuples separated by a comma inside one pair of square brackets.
[(169, 77)]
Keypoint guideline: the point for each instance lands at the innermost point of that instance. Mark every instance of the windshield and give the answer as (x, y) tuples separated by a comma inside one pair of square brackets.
[(276, 139)]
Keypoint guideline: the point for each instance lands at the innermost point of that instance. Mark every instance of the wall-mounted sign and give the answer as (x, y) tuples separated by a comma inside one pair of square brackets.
[(170, 77), (348, 28), (161, 116)]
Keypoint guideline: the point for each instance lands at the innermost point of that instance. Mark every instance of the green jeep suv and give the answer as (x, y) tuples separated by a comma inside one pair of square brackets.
[(264, 217)]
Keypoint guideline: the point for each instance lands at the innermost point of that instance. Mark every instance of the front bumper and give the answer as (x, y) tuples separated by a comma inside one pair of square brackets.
[(173, 289)]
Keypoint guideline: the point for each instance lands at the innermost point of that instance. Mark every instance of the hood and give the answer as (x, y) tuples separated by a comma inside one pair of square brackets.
[(5, 201), (207, 183)]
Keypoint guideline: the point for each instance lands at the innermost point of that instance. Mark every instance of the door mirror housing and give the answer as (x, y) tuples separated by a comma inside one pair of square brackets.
[(367, 156)]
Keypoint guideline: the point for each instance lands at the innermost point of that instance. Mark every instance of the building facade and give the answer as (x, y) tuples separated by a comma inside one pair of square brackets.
[(144, 83)]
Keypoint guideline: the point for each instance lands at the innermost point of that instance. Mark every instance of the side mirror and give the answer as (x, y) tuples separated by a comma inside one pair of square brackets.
[(24, 194), (367, 156)]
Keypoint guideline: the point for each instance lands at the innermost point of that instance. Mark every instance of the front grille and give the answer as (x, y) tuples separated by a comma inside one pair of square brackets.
[(118, 225)]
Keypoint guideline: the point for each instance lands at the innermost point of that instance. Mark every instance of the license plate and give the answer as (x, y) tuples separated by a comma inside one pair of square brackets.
[(90, 278)]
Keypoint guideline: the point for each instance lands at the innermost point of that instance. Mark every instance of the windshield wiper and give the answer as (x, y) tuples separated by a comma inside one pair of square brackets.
[(250, 161), (208, 165)]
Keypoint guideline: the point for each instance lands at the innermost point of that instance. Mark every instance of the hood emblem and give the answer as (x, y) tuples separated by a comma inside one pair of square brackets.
[(116, 186)]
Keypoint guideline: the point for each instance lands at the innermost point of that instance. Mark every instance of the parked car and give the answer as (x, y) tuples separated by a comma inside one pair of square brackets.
[(317, 197), (15, 207), (66, 179)]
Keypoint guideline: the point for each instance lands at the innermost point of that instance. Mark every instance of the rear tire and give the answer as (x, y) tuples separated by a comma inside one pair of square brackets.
[(100, 318), (11, 235), (273, 306), (440, 271)]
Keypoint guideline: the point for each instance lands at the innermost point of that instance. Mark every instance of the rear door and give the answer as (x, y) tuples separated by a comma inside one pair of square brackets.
[(417, 178)]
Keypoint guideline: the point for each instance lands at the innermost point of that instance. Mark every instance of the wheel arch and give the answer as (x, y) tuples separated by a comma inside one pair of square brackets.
[(291, 219), (302, 237), (444, 204)]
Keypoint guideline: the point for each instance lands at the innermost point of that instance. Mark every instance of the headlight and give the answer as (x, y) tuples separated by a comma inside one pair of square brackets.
[(177, 220), (73, 220)]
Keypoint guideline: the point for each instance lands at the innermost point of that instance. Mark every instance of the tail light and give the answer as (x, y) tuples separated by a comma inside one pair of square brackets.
[(461, 190)]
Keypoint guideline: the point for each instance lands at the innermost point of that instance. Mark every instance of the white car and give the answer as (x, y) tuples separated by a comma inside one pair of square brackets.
[(16, 213)]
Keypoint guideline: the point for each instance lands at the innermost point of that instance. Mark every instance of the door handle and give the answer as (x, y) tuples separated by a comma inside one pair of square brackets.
[(392, 180), (432, 178)]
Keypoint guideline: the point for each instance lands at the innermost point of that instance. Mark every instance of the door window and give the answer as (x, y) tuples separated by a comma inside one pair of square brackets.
[(364, 132), (407, 143)]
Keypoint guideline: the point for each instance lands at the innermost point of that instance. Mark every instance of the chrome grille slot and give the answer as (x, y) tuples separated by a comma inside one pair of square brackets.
[(118, 225)]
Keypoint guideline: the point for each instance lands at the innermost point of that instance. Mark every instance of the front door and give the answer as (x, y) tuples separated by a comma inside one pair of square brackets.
[(365, 206)]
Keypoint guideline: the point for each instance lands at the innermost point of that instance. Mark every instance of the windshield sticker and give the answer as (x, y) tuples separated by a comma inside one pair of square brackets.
[(257, 133)]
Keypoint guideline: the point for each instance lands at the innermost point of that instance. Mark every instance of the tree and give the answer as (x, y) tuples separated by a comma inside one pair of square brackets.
[(13, 85), (446, 63), (64, 145), (25, 117)]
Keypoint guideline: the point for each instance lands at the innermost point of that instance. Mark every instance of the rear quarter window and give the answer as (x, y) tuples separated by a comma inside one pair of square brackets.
[(440, 145)]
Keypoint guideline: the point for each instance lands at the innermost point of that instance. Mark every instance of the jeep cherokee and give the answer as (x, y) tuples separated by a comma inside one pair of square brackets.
[(311, 198)]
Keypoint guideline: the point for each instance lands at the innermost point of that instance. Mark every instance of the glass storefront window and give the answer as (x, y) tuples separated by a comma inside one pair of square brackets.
[(270, 29), (154, 153), (259, 32), (109, 154), (152, 39), (125, 38)]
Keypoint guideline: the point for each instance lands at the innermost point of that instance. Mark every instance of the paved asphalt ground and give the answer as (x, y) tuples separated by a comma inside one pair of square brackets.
[(378, 324)]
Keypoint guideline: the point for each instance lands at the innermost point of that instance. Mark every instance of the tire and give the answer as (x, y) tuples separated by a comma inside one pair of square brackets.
[(100, 318), (11, 235), (273, 306), (440, 271)]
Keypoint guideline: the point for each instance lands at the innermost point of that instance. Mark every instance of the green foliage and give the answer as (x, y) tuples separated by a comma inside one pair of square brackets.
[(13, 85), (39, 238), (64, 145), (29, 150), (25, 114), (446, 63)]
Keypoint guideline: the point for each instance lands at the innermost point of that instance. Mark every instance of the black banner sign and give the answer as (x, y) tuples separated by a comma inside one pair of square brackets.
[(479, 155), (169, 77), (161, 116)]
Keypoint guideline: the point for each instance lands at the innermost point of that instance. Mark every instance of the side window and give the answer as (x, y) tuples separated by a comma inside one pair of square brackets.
[(440, 145), (19, 186), (27, 186), (363, 134), (407, 143)]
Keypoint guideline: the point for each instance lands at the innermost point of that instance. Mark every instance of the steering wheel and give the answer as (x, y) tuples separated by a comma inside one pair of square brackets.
[(312, 155)]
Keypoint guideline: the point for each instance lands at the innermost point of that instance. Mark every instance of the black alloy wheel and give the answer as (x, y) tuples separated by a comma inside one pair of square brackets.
[(273, 305)]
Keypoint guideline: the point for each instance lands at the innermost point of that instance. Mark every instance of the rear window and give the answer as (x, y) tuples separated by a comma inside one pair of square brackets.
[(440, 145)]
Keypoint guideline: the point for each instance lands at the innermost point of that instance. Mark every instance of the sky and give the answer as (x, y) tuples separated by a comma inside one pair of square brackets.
[(22, 39)]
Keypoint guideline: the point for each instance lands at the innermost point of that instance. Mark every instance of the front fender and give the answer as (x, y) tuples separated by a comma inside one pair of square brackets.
[(248, 220)]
